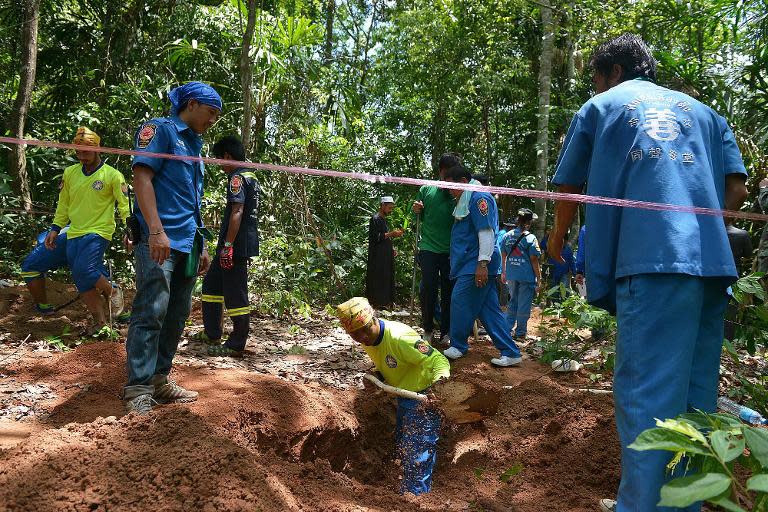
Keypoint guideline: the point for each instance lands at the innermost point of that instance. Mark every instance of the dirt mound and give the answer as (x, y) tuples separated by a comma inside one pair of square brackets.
[(258, 442)]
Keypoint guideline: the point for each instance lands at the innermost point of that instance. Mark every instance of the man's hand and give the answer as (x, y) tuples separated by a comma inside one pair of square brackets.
[(555, 248), (397, 233), (50, 240), (503, 277), (481, 274), (127, 244), (159, 247), (418, 207), (394, 253), (764, 183), (205, 263), (226, 258)]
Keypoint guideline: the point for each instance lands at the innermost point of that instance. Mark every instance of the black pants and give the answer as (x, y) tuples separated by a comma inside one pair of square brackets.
[(435, 271), (227, 288)]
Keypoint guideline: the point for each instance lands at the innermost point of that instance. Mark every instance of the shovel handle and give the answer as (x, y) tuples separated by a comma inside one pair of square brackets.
[(396, 391)]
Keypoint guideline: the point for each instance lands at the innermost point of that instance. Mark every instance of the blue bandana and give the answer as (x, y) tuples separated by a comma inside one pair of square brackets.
[(199, 91)]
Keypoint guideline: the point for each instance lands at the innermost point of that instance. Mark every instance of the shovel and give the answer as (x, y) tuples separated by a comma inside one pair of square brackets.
[(461, 402)]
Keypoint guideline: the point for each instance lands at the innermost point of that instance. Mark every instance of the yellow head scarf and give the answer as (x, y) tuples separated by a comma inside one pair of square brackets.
[(86, 137), (355, 314)]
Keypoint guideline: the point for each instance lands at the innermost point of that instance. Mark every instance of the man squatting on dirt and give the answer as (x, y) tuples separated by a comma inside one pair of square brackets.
[(89, 191), (664, 274), (171, 251), (405, 361)]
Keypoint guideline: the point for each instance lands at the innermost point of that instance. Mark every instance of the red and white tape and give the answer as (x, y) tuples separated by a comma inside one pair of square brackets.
[(401, 180)]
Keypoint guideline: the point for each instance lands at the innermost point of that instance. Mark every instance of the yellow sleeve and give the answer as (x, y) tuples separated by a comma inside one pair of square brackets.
[(120, 193), (61, 218), (414, 350)]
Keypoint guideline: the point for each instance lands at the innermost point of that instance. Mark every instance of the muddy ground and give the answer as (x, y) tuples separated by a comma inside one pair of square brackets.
[(287, 428)]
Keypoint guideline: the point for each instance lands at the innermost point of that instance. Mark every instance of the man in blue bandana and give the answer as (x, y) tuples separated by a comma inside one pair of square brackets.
[(171, 251), (663, 273), (475, 264)]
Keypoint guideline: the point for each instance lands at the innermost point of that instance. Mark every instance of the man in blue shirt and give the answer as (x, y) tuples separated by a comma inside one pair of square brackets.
[(663, 273), (560, 271), (168, 198), (475, 264), (520, 272)]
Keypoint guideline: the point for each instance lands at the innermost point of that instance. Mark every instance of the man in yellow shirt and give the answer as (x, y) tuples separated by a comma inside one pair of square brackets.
[(89, 191), (405, 361)]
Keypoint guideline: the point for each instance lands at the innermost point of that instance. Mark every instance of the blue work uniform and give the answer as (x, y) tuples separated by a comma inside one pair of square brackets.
[(164, 292), (521, 279), (581, 252), (469, 302), (664, 273)]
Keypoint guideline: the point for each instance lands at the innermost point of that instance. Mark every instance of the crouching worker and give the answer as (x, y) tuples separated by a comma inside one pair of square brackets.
[(226, 282), (89, 191), (407, 362)]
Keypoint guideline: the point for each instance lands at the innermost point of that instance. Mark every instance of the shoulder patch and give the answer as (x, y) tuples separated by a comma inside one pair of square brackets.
[(146, 134), (235, 184), (391, 361), (423, 347), (482, 205)]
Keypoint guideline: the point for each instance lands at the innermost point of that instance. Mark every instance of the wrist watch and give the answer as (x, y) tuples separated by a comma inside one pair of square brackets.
[(227, 244)]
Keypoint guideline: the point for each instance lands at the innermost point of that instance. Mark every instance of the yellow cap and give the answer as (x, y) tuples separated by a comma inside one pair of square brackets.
[(86, 137), (355, 314)]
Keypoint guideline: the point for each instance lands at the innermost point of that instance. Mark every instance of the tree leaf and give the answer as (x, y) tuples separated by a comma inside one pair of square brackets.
[(727, 446), (725, 502), (758, 483), (685, 491), (514, 470), (757, 441), (663, 439)]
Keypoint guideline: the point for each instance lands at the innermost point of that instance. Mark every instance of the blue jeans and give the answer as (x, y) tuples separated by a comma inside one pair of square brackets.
[(468, 303), (160, 309), (519, 308), (416, 433), (667, 362)]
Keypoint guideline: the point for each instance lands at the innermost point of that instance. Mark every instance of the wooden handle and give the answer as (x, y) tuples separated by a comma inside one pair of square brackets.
[(395, 391)]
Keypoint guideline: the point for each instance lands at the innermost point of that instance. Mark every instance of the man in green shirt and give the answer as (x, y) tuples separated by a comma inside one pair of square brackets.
[(434, 206), (407, 362)]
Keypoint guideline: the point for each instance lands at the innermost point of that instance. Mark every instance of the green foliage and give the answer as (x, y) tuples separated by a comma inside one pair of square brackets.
[(714, 445)]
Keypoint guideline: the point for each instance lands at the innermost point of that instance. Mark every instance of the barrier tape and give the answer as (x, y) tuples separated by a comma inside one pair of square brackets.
[(401, 180)]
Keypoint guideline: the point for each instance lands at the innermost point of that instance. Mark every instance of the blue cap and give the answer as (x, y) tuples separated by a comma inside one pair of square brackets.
[(199, 91)]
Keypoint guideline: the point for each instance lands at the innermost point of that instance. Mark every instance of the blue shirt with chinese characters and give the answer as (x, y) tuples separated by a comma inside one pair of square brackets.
[(465, 246), (178, 183), (644, 142), (519, 266)]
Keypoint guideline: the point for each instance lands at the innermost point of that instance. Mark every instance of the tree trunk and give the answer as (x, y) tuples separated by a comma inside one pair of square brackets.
[(246, 75), (18, 158), (542, 129), (328, 46)]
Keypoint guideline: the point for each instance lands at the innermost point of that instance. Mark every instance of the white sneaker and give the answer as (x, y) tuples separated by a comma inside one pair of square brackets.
[(452, 353), (506, 361), (607, 505), (427, 336)]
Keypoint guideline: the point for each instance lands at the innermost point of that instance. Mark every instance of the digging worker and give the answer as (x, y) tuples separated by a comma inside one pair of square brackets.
[(171, 252), (434, 206), (226, 282), (475, 264), (89, 191), (663, 273), (404, 361)]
